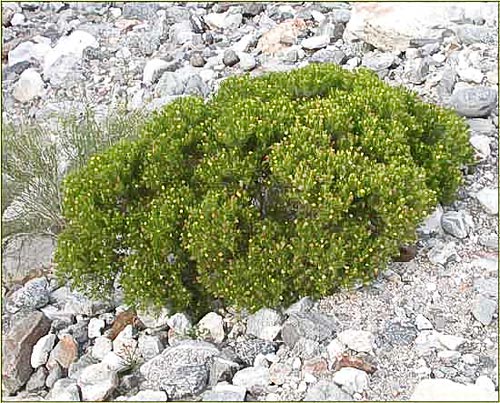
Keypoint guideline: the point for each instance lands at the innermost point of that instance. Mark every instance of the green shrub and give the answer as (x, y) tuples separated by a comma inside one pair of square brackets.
[(281, 186)]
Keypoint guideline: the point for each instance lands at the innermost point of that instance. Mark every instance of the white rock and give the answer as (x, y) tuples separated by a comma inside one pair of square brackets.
[(247, 61), (180, 323), (296, 363), (448, 355), (102, 346), (213, 326), (450, 342), (302, 387), (446, 390), (95, 328), (97, 382), (485, 383), (470, 359), (318, 17), (441, 253), (152, 70), (153, 319), (357, 340), (225, 392), (225, 20), (27, 52), (488, 198), (351, 379), (426, 341), (261, 361), (115, 12), (73, 44), (64, 390), (335, 349), (149, 396), (260, 322), (41, 350), (252, 377), (482, 145), (310, 378), (471, 75), (423, 323), (17, 19), (315, 42), (115, 363), (30, 85), (244, 44)]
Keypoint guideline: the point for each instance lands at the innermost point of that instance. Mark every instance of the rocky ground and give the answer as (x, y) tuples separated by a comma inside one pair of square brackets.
[(425, 330)]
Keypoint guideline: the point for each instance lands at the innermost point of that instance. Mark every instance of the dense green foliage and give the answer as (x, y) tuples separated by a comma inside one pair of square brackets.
[(281, 186)]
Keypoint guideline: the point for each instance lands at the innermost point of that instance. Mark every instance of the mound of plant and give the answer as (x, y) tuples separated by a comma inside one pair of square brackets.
[(280, 186)]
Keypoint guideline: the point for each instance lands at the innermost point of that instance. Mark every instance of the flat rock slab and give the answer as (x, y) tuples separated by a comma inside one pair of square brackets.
[(17, 347), (309, 325)]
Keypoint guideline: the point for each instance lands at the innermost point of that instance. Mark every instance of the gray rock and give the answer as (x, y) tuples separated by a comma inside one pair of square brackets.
[(170, 84), (326, 391), (83, 362), (222, 369), (141, 11), (101, 347), (28, 52), (227, 20), (17, 346), (352, 380), (449, 341), (328, 56), (483, 309), (149, 346), (442, 252), (180, 323), (305, 304), (37, 380), (457, 223), (34, 294), (225, 393), (29, 86), (41, 350), (252, 9), (488, 198), (245, 351), (97, 382), (474, 102), (333, 31), (471, 34), (75, 303), (416, 70), (432, 224), (197, 60), (64, 390), (53, 376), (489, 241), (64, 71), (399, 334), (310, 325), (481, 127), (259, 323), (181, 33), (253, 379), (181, 370), (230, 58), (306, 348), (378, 61), (447, 82), (247, 61), (316, 42)]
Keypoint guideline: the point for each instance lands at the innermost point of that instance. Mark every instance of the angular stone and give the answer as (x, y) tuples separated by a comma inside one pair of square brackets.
[(472, 34), (247, 61), (97, 382), (305, 304), (253, 379), (310, 325), (351, 379), (481, 144), (230, 58), (65, 352), (42, 349), (441, 253), (335, 349), (17, 346), (222, 369), (422, 323), (225, 393), (95, 328), (64, 390), (181, 370), (474, 102), (246, 350), (153, 71), (446, 390), (77, 367), (124, 345), (378, 61), (37, 380), (457, 223), (53, 376), (116, 363), (488, 197), (483, 309), (326, 391), (328, 56), (279, 372), (316, 366), (212, 327), (261, 320), (149, 346), (450, 342), (315, 42), (487, 286), (102, 346), (29, 86), (227, 20), (357, 340), (481, 126)]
